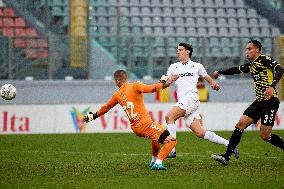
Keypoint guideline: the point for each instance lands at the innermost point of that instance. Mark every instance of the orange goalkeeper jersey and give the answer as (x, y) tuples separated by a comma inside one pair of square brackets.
[(130, 97)]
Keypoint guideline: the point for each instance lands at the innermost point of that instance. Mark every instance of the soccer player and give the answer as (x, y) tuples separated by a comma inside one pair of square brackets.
[(130, 97), (266, 73), (188, 100)]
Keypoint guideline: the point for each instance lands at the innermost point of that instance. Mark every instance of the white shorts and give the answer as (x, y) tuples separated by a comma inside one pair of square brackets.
[(190, 103)]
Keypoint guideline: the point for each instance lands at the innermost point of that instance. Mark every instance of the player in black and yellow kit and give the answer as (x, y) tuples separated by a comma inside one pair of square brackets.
[(266, 74)]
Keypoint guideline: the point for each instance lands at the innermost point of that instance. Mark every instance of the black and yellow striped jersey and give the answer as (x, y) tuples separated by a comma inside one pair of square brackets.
[(262, 71)]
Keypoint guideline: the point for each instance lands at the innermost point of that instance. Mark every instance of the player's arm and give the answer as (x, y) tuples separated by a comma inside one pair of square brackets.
[(212, 82), (231, 71), (278, 73), (90, 116)]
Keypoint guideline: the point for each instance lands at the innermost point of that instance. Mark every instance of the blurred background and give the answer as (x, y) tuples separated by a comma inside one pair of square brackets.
[(51, 40)]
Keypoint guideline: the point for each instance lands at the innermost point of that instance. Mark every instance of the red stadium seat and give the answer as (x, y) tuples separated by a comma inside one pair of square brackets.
[(20, 22), (31, 32), (20, 43), (1, 12), (31, 53), (31, 43), (1, 22), (42, 53), (20, 32), (9, 12), (42, 43), (8, 22), (9, 32)]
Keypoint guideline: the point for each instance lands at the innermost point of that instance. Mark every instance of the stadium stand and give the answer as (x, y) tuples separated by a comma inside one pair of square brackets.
[(140, 34)]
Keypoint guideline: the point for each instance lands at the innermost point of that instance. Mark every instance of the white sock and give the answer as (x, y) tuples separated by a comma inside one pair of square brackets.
[(173, 131), (212, 137), (159, 161), (153, 159)]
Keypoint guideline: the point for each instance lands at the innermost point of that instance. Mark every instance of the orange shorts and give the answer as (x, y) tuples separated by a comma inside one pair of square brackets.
[(152, 131)]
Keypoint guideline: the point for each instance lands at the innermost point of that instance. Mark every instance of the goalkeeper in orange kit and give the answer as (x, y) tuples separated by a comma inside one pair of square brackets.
[(130, 97)]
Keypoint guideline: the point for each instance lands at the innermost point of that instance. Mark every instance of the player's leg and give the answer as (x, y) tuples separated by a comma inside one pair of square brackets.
[(155, 150), (242, 124), (174, 113), (267, 122), (158, 134)]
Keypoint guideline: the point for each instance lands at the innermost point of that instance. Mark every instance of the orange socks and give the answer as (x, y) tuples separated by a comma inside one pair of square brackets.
[(167, 148)]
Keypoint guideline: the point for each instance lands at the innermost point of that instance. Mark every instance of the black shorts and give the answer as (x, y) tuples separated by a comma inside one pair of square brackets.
[(264, 110)]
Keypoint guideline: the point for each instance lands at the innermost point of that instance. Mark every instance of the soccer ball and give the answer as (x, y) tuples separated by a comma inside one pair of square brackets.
[(8, 91)]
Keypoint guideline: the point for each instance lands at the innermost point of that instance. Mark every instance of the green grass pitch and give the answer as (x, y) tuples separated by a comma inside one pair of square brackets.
[(121, 160)]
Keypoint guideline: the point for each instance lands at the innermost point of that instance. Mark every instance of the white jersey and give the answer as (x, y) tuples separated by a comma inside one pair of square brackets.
[(188, 76)]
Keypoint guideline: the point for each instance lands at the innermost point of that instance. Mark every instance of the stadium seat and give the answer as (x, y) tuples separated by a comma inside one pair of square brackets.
[(232, 22), (178, 11), (231, 12), (169, 30), (255, 32), (225, 42), (219, 3), (211, 22), (134, 11), (1, 12), (191, 31), (223, 31), (20, 32), (147, 30), (167, 11), (275, 32), (166, 3), (252, 13), (179, 21), (157, 21), (20, 43), (8, 22), (31, 32), (31, 43), (145, 11), (213, 42), (188, 11), (234, 31), (189, 21), (209, 3), (20, 22), (31, 53), (146, 21), (1, 22), (263, 22), (200, 22), (157, 11), (239, 3), (241, 13), (168, 21), (135, 21), (243, 22), (158, 31), (244, 32), (201, 31), (265, 31), (209, 12), (220, 12), (199, 12), (212, 31), (229, 3), (42, 43), (222, 22), (134, 3), (180, 31), (253, 22), (8, 12), (9, 32)]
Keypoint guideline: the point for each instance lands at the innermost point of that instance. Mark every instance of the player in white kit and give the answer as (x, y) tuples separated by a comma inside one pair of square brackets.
[(188, 100)]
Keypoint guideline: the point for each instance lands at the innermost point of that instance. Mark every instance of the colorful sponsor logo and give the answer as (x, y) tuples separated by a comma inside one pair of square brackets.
[(77, 118)]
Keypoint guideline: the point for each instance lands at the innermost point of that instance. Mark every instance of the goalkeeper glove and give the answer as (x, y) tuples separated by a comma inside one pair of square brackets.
[(90, 116)]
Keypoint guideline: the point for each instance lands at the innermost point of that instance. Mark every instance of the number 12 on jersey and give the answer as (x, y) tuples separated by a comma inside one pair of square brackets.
[(129, 110)]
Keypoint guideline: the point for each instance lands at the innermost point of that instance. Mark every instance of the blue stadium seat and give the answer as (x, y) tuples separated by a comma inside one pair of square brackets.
[(231, 12), (212, 31), (209, 12), (232, 22), (188, 11), (211, 22)]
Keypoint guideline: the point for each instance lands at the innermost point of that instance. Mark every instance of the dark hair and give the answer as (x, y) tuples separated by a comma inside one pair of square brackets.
[(120, 75), (256, 43), (187, 47)]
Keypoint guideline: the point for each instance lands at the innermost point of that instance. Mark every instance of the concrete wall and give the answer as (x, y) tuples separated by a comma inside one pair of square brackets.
[(91, 91)]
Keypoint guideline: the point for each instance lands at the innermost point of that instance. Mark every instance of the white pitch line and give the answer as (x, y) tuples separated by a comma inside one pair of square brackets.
[(134, 154)]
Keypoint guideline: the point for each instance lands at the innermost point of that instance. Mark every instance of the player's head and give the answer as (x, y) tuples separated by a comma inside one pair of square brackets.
[(120, 77), (253, 49), (184, 52)]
